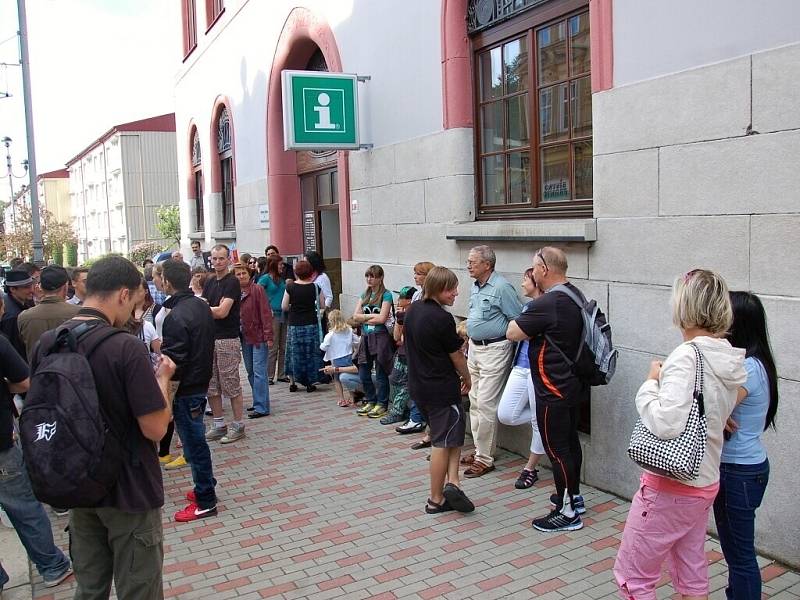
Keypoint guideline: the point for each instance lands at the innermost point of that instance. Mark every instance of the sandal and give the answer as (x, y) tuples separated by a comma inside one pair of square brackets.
[(293, 387), (421, 445), (468, 459), (526, 479), (456, 498), (432, 508)]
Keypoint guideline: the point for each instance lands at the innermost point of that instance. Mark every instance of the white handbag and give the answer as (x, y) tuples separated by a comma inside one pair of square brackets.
[(681, 457)]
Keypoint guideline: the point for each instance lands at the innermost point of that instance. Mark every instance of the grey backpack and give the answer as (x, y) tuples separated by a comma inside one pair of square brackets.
[(597, 358)]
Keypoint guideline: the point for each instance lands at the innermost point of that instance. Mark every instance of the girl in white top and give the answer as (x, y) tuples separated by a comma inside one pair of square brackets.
[(668, 518), (338, 346)]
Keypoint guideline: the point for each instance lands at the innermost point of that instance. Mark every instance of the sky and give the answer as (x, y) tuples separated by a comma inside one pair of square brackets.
[(94, 64)]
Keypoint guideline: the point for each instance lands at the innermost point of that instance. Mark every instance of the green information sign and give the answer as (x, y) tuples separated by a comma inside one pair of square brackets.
[(320, 111)]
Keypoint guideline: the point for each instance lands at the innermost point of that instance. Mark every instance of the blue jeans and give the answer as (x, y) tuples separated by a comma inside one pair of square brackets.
[(188, 414), (28, 517), (416, 415), (378, 392), (741, 489), (256, 357)]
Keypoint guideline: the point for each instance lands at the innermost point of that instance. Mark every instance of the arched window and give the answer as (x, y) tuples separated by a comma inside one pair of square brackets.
[(225, 151), (197, 179)]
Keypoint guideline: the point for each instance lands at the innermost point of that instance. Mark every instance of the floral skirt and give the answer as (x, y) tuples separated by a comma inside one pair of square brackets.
[(303, 356)]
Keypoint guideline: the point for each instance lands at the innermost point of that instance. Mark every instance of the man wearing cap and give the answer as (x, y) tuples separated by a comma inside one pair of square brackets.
[(19, 297), (52, 310)]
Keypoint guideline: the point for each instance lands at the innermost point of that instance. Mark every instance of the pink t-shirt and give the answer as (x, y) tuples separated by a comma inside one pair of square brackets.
[(671, 486)]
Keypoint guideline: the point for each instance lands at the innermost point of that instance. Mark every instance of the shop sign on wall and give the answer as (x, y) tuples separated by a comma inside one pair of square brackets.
[(320, 111)]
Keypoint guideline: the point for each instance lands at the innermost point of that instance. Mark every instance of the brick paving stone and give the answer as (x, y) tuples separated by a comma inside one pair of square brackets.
[(355, 527)]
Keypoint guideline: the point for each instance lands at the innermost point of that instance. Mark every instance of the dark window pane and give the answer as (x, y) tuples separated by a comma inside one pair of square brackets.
[(324, 189), (580, 59), (519, 178), (552, 53), (583, 170), (335, 187), (198, 187), (517, 135), (555, 174), (307, 192), (515, 61), (494, 185), (228, 211), (581, 92), (492, 127), (491, 74), (553, 113)]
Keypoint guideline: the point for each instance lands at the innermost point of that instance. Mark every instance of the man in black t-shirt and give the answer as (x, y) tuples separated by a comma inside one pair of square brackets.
[(125, 528), (554, 324), (435, 362), (16, 496), (223, 293)]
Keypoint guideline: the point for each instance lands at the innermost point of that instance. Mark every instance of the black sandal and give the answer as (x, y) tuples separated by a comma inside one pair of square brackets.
[(526, 479), (420, 445), (432, 508), (456, 497), (293, 388)]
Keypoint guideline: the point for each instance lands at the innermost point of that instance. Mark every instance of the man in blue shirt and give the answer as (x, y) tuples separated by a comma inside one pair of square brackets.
[(493, 304)]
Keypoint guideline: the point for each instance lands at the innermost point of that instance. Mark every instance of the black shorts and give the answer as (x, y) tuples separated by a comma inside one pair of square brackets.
[(447, 424)]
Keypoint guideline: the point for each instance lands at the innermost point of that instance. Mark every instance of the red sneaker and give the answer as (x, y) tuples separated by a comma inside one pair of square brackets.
[(194, 512), (190, 496)]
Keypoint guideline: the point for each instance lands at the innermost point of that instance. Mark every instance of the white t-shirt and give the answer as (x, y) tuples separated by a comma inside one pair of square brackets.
[(324, 283), (337, 344)]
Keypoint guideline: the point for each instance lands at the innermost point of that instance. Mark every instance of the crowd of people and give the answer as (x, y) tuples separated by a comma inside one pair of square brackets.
[(400, 358)]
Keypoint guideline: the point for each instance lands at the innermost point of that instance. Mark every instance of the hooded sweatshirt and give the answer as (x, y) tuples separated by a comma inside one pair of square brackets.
[(664, 405)]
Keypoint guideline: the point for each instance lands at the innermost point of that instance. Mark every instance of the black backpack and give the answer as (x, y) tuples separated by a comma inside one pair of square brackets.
[(72, 454)]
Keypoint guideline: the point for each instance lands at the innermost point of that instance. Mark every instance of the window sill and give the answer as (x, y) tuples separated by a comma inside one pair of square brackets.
[(225, 234), (188, 53), (566, 230), (197, 235), (215, 19)]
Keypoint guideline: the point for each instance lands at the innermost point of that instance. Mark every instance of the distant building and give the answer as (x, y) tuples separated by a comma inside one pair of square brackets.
[(118, 181), (53, 195)]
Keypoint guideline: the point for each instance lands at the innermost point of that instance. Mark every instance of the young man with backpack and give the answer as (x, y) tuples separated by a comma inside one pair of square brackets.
[(188, 339), (554, 323), (16, 496), (115, 492)]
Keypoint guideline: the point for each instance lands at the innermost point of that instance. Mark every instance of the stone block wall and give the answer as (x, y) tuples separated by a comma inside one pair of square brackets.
[(697, 168)]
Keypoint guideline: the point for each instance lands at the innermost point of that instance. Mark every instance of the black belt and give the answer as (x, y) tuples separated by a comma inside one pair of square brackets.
[(489, 341)]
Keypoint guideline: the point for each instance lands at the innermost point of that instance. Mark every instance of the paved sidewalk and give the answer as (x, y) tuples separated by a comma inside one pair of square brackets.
[(318, 503)]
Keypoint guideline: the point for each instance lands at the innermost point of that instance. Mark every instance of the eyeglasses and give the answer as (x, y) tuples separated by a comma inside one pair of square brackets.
[(540, 256), (690, 274)]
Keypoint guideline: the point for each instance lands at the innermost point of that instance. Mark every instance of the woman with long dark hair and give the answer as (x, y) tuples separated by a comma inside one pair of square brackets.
[(373, 312), (274, 285), (744, 467)]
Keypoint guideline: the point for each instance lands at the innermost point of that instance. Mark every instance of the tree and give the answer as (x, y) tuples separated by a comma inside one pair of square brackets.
[(169, 223), (55, 234)]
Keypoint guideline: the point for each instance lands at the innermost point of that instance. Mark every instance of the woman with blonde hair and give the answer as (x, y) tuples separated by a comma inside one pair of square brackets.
[(667, 519)]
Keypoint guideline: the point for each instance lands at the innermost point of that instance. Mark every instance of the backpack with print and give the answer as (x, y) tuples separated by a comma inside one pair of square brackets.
[(597, 359), (72, 454)]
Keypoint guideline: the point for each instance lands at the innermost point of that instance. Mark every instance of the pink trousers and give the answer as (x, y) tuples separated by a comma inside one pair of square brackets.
[(663, 527)]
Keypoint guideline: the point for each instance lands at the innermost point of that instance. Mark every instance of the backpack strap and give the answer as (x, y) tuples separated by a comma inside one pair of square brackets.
[(577, 300)]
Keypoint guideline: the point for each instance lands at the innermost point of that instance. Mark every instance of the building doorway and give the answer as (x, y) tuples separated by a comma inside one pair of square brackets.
[(320, 205)]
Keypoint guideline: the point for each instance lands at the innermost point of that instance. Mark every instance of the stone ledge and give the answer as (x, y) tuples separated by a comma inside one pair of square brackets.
[(197, 235), (572, 230), (224, 235)]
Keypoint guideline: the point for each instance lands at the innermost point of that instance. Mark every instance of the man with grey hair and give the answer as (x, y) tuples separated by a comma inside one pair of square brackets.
[(493, 304), (554, 324)]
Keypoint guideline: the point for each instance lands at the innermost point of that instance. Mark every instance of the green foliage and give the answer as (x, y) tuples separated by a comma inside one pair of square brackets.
[(72, 254), (91, 261), (169, 223)]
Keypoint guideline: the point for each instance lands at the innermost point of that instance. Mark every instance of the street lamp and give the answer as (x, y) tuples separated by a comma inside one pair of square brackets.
[(7, 143)]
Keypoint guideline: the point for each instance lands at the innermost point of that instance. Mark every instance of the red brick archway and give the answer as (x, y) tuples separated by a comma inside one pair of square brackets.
[(302, 34)]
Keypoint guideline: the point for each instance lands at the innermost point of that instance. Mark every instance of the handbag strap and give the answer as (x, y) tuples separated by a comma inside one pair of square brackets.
[(698, 379)]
